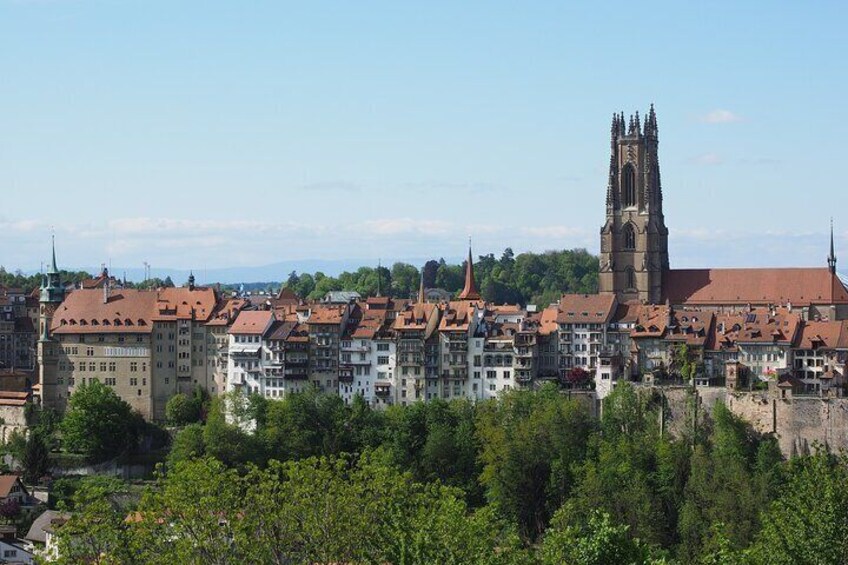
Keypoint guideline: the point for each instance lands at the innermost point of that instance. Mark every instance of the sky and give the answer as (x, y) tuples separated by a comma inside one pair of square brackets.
[(234, 134)]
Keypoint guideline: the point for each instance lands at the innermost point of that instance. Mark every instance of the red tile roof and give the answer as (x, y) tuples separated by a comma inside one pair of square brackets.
[(252, 322), (826, 335), (585, 308), (800, 287)]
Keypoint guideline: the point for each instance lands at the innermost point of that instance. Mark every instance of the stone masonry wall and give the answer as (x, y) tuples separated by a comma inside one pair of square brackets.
[(798, 423)]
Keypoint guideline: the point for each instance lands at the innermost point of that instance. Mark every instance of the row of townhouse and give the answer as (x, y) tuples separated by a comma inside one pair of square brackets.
[(393, 351), (151, 344)]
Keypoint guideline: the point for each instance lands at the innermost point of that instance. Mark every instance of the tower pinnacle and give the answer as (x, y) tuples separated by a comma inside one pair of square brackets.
[(469, 292), (831, 259)]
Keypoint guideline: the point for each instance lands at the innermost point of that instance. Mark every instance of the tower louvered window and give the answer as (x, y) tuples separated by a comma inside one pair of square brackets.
[(628, 185)]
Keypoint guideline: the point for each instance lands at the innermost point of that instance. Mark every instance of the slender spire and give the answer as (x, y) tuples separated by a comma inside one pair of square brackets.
[(469, 292), (53, 267), (422, 298), (651, 123), (378, 277), (831, 259)]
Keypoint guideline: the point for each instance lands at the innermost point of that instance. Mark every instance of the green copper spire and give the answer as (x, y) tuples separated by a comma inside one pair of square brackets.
[(53, 268), (52, 289)]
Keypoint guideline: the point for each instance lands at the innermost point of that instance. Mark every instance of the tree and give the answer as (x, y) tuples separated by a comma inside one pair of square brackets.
[(597, 541), (182, 409), (187, 444), (192, 516), (429, 273), (10, 509), (808, 521), (530, 444), (405, 280), (98, 423), (36, 457), (96, 531)]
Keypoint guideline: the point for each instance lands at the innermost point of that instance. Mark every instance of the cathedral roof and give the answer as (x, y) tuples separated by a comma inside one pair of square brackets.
[(798, 286)]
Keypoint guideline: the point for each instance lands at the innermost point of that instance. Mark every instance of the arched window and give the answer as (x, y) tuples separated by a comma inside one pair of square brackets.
[(628, 186), (631, 277), (629, 238)]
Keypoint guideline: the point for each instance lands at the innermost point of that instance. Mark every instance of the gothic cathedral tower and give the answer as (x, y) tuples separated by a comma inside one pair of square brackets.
[(634, 239)]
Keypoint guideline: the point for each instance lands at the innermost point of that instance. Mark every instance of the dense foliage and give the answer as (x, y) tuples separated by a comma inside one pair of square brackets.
[(532, 477), (28, 283), (98, 423), (525, 278)]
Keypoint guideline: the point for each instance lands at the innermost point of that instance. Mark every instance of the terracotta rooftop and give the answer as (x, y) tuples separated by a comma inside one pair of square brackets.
[(252, 322), (126, 311), (6, 484), (585, 308), (825, 335), (800, 287)]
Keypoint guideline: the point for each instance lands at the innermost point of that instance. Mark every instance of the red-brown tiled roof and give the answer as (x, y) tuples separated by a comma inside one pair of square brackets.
[(800, 287), (252, 322), (585, 308)]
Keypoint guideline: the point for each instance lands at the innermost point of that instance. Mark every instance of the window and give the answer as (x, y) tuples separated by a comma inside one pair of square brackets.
[(383, 360), (629, 237), (382, 347), (631, 277), (628, 186)]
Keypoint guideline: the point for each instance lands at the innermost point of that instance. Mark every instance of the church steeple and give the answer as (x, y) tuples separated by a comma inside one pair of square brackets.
[(634, 238), (422, 297), (52, 289), (379, 276), (469, 291), (831, 259)]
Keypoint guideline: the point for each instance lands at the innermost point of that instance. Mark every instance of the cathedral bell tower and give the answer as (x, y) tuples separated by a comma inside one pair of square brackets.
[(634, 239)]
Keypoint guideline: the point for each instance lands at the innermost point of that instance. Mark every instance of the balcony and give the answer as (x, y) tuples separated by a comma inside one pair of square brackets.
[(410, 346), (456, 373), (296, 373), (525, 340), (345, 374), (411, 360), (457, 345), (382, 388)]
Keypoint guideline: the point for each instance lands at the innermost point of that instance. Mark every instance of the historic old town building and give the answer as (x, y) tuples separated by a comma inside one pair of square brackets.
[(740, 328)]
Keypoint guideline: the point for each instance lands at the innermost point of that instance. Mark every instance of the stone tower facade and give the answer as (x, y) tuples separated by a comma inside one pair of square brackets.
[(52, 295), (634, 239)]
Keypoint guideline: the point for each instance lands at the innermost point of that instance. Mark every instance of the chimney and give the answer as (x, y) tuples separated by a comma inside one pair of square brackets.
[(106, 291)]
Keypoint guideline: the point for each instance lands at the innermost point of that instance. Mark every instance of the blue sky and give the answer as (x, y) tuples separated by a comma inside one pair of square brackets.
[(208, 134)]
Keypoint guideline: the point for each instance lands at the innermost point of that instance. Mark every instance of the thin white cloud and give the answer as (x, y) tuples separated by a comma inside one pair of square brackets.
[(399, 226), (721, 117), (332, 186), (553, 232), (707, 159)]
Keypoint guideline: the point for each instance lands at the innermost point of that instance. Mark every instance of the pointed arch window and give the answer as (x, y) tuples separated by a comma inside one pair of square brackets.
[(629, 238), (631, 277), (628, 185)]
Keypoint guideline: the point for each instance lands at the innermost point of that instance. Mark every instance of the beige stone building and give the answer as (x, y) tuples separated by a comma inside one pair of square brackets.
[(148, 345)]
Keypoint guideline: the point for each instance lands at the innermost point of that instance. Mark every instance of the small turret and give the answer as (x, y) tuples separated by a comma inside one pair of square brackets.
[(191, 280)]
